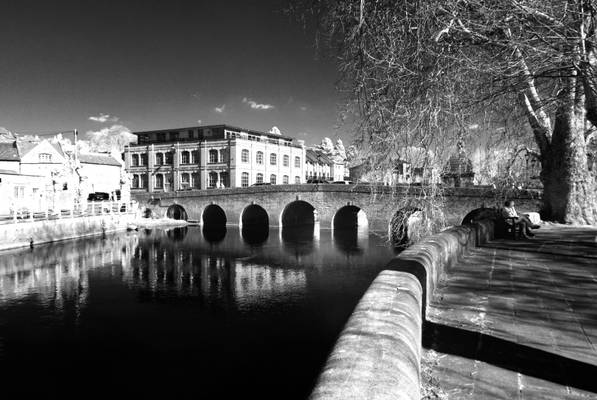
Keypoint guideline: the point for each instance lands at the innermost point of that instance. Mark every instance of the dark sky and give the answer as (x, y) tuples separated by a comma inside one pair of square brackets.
[(162, 64)]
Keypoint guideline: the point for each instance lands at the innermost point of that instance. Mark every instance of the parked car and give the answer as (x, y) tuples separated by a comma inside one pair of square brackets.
[(98, 196), (343, 182)]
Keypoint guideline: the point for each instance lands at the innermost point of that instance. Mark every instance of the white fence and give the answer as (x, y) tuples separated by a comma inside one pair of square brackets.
[(76, 210)]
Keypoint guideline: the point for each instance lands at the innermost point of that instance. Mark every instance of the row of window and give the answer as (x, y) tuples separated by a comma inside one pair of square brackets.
[(193, 180), (273, 158), (273, 179)]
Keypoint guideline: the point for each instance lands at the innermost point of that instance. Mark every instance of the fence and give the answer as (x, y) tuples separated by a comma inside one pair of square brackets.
[(76, 210)]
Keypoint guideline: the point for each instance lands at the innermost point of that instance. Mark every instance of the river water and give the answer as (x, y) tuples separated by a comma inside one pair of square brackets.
[(180, 313)]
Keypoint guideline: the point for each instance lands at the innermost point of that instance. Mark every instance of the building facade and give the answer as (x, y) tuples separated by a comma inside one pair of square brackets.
[(216, 156), (319, 165)]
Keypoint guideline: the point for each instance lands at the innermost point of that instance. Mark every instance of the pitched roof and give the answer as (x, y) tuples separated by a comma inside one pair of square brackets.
[(99, 159), (9, 152), (317, 157)]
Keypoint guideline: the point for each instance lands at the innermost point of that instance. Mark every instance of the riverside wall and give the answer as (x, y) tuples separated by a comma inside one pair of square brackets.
[(30, 233), (378, 354)]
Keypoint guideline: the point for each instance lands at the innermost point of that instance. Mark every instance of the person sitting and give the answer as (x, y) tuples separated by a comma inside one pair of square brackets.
[(525, 223)]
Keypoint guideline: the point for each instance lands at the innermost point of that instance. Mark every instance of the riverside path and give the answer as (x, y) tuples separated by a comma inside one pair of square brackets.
[(517, 320)]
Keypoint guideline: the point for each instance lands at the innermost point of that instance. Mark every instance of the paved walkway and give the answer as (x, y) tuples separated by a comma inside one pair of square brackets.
[(518, 320)]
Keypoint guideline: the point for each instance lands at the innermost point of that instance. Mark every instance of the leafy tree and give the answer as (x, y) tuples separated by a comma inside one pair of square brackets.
[(420, 72)]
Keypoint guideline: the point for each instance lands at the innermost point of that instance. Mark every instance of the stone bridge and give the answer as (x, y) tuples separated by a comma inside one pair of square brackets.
[(331, 205)]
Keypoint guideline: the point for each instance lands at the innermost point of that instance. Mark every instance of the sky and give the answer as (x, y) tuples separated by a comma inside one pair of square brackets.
[(147, 64)]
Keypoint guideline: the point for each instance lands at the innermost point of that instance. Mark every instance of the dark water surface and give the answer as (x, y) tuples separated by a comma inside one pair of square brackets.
[(182, 313)]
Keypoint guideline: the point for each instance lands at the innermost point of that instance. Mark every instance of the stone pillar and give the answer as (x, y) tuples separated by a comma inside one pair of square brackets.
[(150, 165)]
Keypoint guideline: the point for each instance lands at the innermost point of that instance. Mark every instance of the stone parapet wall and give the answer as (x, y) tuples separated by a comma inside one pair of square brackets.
[(378, 354), (27, 233)]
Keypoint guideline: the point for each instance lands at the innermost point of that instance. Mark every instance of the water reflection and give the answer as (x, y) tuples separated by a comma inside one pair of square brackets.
[(255, 235), (227, 302), (351, 241), (214, 233)]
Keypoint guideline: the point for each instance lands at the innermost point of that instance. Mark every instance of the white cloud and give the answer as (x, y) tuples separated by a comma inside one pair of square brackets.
[(257, 106), (220, 109), (199, 121), (104, 118)]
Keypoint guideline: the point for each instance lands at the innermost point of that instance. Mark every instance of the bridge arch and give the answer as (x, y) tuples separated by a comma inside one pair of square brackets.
[(213, 215), (348, 217), (298, 213), (176, 211), (402, 220), (254, 215)]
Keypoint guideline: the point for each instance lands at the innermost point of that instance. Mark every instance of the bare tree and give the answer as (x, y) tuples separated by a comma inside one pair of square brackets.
[(419, 72)]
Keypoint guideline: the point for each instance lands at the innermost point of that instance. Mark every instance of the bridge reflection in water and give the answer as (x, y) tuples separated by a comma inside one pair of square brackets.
[(257, 307)]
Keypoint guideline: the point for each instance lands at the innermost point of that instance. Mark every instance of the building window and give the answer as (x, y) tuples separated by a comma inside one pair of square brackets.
[(168, 182), (297, 180), (213, 156), (144, 181), (185, 180), (259, 158), (196, 180), (159, 181), (286, 161), (169, 158), (159, 158), (259, 178), (135, 160), (185, 157), (244, 156), (244, 179), (213, 180), (272, 179), (195, 156), (273, 159), (297, 162), (143, 159), (45, 157), (223, 155), (135, 182), (285, 180), (224, 181)]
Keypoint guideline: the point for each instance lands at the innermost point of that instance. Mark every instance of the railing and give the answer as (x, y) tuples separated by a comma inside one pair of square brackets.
[(76, 210)]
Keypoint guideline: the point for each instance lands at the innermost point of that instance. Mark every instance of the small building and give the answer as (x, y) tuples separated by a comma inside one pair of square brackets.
[(458, 171), (101, 172), (22, 192)]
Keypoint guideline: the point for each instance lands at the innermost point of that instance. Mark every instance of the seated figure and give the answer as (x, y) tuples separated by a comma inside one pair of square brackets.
[(526, 225)]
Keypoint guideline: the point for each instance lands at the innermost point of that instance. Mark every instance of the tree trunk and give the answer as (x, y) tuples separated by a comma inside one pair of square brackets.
[(569, 189)]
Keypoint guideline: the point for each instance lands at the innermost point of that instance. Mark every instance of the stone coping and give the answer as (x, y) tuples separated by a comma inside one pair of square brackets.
[(378, 354)]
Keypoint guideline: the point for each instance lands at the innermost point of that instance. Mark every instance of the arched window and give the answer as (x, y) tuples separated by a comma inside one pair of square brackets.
[(273, 159), (259, 158), (297, 180), (297, 162), (272, 179), (159, 158), (286, 161), (135, 182), (259, 178), (285, 180), (185, 157), (143, 159), (185, 180), (135, 160), (143, 181), (169, 158), (244, 179), (159, 181), (195, 156), (244, 156), (213, 156)]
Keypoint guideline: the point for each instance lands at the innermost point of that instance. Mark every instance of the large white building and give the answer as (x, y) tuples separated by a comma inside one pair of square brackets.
[(212, 156)]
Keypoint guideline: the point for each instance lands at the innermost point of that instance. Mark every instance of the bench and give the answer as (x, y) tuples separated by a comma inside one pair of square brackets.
[(507, 227)]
